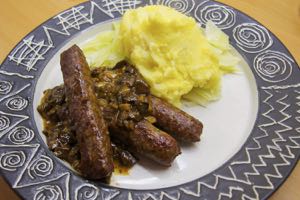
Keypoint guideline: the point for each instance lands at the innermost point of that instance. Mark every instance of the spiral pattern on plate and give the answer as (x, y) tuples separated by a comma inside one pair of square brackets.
[(5, 87), (4, 122), (273, 66), (183, 6), (221, 16), (41, 167), (48, 192), (12, 160), (252, 38), (20, 135), (86, 192), (17, 103)]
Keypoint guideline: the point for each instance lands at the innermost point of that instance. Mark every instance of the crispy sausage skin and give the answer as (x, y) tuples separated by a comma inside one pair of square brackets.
[(91, 129), (149, 141), (174, 121)]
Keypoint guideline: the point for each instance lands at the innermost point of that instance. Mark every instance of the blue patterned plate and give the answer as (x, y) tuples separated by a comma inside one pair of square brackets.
[(252, 138)]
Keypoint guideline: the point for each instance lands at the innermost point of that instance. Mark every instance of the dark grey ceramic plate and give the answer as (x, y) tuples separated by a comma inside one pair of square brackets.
[(263, 162)]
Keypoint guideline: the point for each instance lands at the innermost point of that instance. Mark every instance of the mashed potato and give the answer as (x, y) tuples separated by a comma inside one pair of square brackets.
[(174, 55)]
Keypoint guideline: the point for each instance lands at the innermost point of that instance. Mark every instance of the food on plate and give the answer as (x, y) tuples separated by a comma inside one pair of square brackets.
[(110, 113), (120, 97), (175, 56), (179, 124), (124, 97), (60, 131), (148, 141), (91, 130)]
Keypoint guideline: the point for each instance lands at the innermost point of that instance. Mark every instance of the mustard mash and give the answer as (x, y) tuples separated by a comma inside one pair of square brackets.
[(175, 56)]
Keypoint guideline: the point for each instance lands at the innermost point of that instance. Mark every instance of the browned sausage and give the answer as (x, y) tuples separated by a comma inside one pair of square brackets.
[(176, 122), (148, 141), (60, 135), (91, 129)]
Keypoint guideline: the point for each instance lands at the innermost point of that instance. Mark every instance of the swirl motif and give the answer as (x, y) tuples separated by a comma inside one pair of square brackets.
[(5, 87), (17, 103), (273, 66), (41, 167), (4, 122), (184, 6), (252, 38), (48, 192), (86, 192), (12, 160), (20, 135), (222, 16)]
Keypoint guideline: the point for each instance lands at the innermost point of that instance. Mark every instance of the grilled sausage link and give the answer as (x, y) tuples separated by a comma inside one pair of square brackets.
[(91, 129), (54, 110), (146, 140), (174, 121)]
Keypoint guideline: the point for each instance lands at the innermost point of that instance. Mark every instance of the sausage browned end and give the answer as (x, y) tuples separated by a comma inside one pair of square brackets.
[(174, 121), (91, 129), (147, 140)]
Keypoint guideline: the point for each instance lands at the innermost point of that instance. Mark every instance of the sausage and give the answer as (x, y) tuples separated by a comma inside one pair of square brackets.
[(54, 109), (56, 97), (91, 129), (146, 140), (174, 121)]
